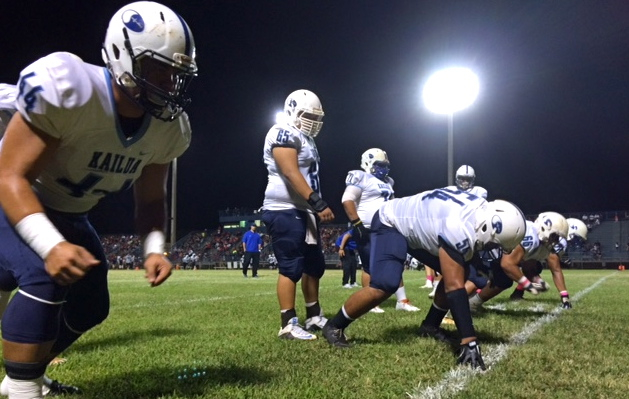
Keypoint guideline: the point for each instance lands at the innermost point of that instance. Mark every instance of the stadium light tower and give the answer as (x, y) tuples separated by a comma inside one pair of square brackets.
[(446, 92)]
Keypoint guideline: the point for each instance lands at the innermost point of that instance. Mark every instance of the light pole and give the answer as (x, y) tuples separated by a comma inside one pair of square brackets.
[(446, 92), (173, 204)]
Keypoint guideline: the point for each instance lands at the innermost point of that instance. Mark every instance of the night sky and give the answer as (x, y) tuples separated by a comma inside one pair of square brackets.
[(549, 130)]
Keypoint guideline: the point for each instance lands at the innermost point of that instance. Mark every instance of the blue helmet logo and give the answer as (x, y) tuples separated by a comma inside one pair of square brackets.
[(496, 224), (133, 21)]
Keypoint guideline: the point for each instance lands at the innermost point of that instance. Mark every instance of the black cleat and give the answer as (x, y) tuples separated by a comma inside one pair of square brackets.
[(335, 336), (435, 332), (517, 295), (470, 354), (55, 388)]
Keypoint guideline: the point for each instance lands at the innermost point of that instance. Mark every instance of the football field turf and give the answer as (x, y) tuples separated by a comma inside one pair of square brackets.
[(213, 334)]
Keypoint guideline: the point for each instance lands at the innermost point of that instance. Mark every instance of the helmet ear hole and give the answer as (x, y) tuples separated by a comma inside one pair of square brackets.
[(484, 228), (116, 51)]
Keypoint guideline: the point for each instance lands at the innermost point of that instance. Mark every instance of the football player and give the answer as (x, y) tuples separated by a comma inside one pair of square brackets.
[(366, 190), (577, 231), (541, 243), (442, 228), (81, 132), (293, 209)]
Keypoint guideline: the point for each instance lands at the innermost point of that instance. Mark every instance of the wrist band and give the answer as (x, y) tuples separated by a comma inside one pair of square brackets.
[(39, 233), (154, 243), (355, 221)]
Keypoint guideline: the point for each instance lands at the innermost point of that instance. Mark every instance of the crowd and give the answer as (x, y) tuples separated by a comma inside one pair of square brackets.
[(124, 251)]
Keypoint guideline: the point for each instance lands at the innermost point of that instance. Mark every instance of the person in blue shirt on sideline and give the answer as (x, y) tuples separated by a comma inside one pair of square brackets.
[(347, 253), (252, 245)]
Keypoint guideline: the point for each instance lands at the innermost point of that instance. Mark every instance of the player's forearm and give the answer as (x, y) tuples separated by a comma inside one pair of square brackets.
[(150, 216), (350, 210), (17, 197)]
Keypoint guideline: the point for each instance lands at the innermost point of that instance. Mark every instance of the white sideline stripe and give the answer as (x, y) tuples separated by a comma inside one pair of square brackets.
[(456, 379)]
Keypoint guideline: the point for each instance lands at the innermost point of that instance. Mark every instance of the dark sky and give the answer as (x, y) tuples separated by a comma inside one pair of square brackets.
[(549, 131)]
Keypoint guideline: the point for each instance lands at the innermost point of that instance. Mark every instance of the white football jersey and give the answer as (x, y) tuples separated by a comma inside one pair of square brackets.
[(279, 194), (533, 247), (373, 193), (425, 217), (73, 101), (475, 190)]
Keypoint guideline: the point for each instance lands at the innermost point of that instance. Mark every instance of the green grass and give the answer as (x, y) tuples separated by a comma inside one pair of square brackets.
[(224, 328)]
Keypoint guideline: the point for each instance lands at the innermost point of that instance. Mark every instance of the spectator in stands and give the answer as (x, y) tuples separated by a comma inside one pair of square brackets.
[(293, 208), (251, 245)]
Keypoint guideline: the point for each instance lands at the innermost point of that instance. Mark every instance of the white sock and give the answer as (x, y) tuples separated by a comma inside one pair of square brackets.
[(24, 389), (401, 294), (475, 300), (434, 287)]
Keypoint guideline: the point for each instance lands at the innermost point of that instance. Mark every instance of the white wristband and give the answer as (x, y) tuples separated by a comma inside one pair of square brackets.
[(154, 243), (39, 233)]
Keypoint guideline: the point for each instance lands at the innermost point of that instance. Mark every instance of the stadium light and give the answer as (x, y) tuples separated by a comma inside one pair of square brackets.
[(446, 92)]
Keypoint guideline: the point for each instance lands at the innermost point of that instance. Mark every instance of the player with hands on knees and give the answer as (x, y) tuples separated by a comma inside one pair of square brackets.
[(80, 133)]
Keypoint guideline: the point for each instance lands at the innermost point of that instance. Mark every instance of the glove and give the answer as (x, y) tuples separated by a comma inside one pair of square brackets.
[(359, 231), (470, 354), (316, 202), (533, 288), (565, 301)]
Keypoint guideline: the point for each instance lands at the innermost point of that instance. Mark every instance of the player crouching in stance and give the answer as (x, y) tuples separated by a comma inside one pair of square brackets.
[(541, 243), (442, 228), (577, 231), (82, 131)]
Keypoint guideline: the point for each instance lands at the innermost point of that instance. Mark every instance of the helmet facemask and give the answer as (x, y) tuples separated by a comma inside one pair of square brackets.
[(304, 111), (381, 169), (309, 123), (159, 84)]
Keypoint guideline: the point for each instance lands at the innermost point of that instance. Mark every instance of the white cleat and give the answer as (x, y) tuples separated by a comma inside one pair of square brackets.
[(377, 309), (315, 323), (294, 331), (405, 304), (347, 286), (427, 285)]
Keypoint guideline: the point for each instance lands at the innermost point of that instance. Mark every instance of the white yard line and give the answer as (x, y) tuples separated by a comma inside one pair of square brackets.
[(457, 378)]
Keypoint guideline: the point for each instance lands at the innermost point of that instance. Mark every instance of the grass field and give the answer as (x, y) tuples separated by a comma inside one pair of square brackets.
[(213, 334)]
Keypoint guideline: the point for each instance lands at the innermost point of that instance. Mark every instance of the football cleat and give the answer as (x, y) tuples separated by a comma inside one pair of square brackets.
[(436, 333), (427, 285), (376, 309), (470, 354), (55, 388), (294, 331), (347, 286), (517, 295), (315, 323), (335, 336), (405, 304)]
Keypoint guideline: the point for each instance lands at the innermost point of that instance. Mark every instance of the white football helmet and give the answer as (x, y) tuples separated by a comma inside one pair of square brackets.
[(464, 177), (304, 111), (551, 226), (376, 162), (499, 224), (150, 51), (576, 228)]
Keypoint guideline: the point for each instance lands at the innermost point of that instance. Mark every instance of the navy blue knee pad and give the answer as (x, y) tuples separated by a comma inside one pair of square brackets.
[(24, 371), (479, 280), (32, 314)]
